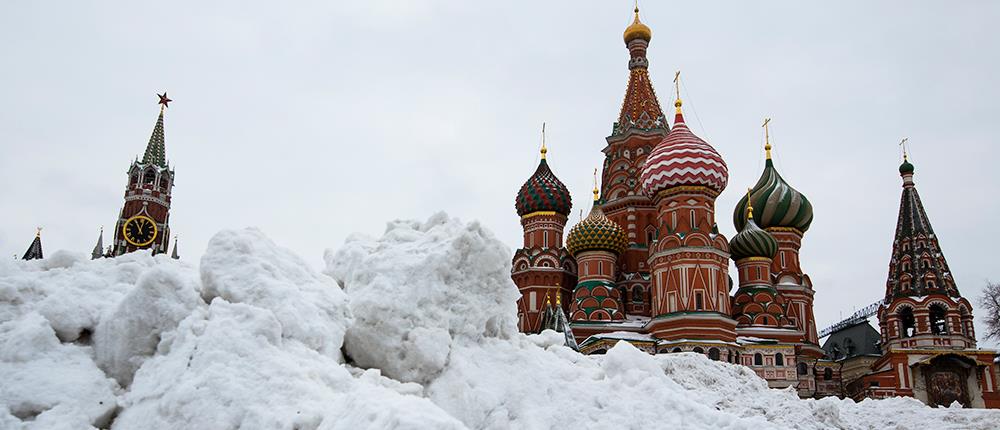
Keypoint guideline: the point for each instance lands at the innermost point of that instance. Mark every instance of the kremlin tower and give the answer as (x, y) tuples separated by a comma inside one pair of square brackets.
[(144, 219)]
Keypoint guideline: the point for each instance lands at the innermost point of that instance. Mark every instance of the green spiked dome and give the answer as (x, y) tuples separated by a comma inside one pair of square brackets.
[(596, 233), (543, 192), (752, 241), (777, 203)]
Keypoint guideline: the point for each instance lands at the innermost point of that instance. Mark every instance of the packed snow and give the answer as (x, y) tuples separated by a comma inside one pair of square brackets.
[(414, 330)]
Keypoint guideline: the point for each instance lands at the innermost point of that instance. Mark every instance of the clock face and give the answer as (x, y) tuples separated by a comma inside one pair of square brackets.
[(140, 230)]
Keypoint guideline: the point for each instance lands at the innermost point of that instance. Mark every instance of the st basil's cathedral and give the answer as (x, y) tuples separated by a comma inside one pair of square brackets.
[(649, 266)]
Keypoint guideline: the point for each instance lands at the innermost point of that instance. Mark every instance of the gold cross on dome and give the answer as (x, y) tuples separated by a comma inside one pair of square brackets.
[(767, 137), (902, 144)]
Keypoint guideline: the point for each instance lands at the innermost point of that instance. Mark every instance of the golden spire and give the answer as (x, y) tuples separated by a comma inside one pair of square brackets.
[(677, 86), (558, 299), (596, 192), (749, 206), (544, 150), (767, 138)]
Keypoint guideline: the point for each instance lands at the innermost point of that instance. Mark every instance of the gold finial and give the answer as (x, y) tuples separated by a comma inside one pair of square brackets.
[(903, 145), (558, 299), (544, 150), (749, 206), (637, 30), (548, 300), (767, 138), (596, 192), (677, 86), (38, 232)]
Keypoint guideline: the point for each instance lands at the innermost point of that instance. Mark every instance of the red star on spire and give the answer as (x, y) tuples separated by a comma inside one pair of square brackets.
[(163, 99)]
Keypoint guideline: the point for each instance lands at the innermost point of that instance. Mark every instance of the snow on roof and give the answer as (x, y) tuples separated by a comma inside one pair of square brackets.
[(625, 335)]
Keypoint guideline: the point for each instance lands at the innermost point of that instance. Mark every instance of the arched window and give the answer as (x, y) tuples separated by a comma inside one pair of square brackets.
[(676, 350), (599, 352), (713, 353), (906, 265), (729, 356), (779, 359), (827, 374), (938, 323), (149, 177), (758, 360), (637, 293), (931, 283), (698, 301), (698, 350), (802, 369), (907, 324)]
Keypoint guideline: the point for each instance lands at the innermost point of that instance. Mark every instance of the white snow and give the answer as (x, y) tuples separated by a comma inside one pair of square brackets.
[(252, 339)]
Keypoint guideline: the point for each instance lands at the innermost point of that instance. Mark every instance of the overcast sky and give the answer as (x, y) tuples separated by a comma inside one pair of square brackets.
[(315, 121)]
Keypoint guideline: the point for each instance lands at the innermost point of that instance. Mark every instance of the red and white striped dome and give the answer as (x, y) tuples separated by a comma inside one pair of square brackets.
[(683, 159)]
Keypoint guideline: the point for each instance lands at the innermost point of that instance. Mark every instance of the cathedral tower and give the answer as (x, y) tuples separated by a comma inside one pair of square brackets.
[(689, 259), (640, 126), (144, 219), (928, 339), (786, 214), (543, 269), (923, 307), (596, 242)]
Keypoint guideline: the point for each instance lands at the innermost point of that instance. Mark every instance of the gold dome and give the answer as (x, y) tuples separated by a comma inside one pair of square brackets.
[(637, 30)]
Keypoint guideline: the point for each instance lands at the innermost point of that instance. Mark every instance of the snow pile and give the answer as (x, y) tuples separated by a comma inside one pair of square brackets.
[(51, 384), (419, 289), (253, 339)]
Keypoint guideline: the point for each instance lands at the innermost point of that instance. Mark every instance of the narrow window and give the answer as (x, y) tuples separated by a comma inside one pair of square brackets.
[(532, 301), (698, 301), (779, 359), (782, 258), (908, 324), (827, 374), (802, 369), (758, 360), (694, 224), (545, 238), (938, 323)]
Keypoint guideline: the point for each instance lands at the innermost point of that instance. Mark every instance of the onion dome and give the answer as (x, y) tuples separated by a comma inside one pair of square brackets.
[(596, 233), (637, 30), (906, 168), (683, 159), (543, 192), (752, 241), (777, 203)]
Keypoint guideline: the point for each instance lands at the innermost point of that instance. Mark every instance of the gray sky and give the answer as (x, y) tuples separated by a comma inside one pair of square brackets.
[(315, 121)]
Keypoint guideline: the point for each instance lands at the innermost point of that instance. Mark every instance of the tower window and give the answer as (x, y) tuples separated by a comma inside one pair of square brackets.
[(758, 359), (694, 223), (827, 374), (713, 353), (802, 369), (545, 239), (698, 301), (782, 258), (907, 323), (698, 350), (938, 323), (779, 359), (637, 294)]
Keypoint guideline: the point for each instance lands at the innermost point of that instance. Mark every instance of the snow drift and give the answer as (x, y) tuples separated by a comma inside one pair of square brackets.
[(413, 330)]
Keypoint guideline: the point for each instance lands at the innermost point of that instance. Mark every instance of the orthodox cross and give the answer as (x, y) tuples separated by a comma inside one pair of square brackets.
[(902, 144), (767, 137), (543, 141)]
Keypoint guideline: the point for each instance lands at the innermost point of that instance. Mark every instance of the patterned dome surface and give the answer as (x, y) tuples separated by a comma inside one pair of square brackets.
[(683, 159), (596, 232), (752, 241), (543, 192), (775, 203)]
